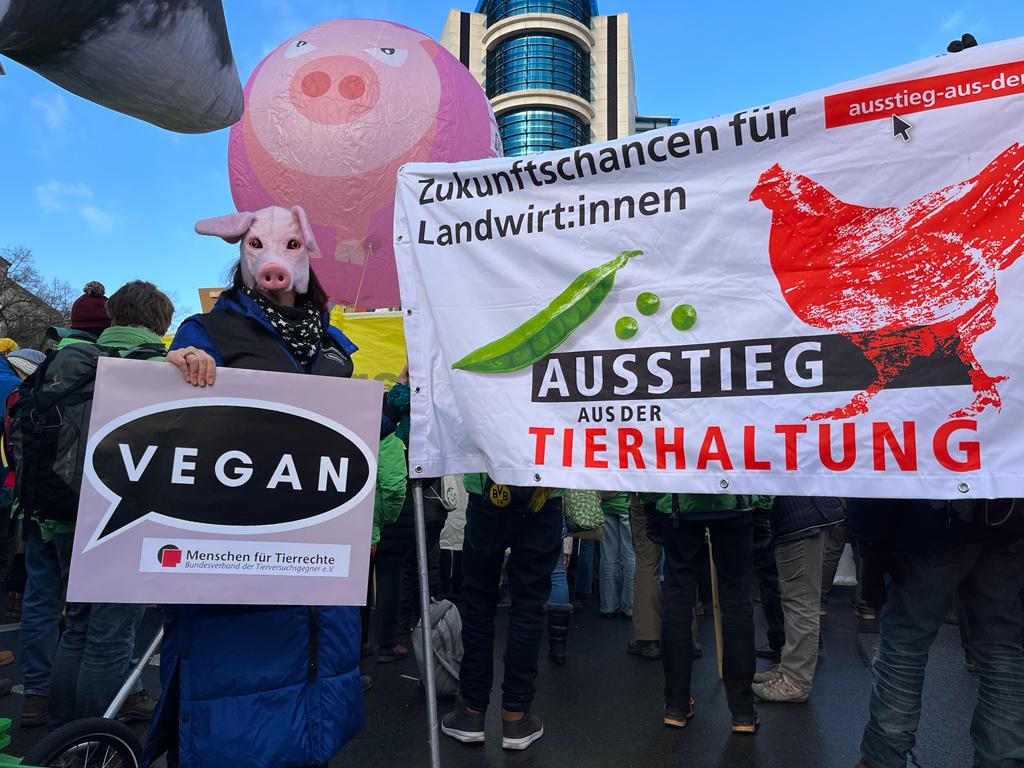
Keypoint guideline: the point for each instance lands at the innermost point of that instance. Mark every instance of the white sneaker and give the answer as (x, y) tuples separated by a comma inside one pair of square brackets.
[(780, 688), (768, 674)]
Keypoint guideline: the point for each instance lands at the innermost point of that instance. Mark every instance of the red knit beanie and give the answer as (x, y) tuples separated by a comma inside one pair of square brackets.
[(89, 312)]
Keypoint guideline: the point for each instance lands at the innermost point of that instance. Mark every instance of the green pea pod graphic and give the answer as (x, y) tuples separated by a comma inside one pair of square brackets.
[(545, 331)]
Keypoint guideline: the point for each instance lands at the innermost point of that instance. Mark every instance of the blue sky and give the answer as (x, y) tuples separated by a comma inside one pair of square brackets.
[(97, 195)]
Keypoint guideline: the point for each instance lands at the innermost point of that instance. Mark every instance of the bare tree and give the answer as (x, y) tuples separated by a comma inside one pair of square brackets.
[(29, 303), (181, 310)]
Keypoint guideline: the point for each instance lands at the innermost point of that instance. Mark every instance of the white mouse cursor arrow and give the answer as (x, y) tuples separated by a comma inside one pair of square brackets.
[(900, 128)]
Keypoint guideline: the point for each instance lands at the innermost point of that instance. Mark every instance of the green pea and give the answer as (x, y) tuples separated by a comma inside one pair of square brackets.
[(684, 316), (626, 327), (545, 331), (647, 303)]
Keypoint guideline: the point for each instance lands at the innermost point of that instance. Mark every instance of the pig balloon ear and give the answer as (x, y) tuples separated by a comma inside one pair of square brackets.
[(230, 227), (307, 230)]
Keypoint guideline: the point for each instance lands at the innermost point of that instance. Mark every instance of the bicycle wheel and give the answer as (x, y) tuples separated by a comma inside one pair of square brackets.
[(93, 742)]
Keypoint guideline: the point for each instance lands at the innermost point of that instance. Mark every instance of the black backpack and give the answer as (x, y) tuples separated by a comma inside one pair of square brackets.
[(50, 426)]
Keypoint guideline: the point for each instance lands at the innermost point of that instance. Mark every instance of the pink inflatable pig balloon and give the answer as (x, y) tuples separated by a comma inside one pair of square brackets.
[(330, 115)]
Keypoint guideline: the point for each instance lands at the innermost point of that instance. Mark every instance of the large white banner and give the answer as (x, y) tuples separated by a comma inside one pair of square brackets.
[(812, 296)]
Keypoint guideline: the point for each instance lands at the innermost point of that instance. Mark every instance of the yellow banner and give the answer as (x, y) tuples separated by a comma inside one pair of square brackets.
[(381, 342)]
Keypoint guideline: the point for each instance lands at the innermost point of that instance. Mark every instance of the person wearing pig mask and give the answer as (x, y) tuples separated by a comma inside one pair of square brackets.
[(248, 686)]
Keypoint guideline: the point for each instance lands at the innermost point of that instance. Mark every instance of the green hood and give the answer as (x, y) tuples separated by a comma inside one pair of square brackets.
[(127, 337)]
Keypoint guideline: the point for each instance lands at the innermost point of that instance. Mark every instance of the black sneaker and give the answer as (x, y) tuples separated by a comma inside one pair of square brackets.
[(464, 725), (745, 723), (677, 718), (521, 733)]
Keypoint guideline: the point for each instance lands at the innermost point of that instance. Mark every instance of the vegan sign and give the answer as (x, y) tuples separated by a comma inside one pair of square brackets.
[(219, 465), (263, 476), (787, 299)]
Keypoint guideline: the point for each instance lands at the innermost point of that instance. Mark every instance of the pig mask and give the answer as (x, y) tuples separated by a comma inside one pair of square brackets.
[(275, 245)]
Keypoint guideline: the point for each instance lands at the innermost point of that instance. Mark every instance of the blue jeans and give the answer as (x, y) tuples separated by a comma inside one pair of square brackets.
[(618, 565), (559, 584), (584, 568), (989, 576), (46, 580), (92, 659)]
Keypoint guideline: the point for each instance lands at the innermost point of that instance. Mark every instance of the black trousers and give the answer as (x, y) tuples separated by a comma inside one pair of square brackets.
[(433, 529), (451, 573), (732, 541), (535, 539), (768, 579), (388, 566)]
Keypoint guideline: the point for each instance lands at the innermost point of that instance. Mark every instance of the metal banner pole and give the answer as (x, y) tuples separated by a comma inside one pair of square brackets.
[(428, 648), (115, 706)]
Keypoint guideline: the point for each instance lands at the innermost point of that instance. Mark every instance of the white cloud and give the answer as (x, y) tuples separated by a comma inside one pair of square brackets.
[(63, 196), (97, 219), (60, 195), (53, 110)]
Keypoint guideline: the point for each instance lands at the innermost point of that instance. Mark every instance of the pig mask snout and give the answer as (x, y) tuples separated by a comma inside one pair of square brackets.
[(274, 277), (275, 246)]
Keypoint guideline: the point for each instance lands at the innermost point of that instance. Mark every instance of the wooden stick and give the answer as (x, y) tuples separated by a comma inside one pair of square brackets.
[(716, 608)]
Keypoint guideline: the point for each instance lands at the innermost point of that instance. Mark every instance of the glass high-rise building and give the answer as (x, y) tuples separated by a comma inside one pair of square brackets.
[(557, 73)]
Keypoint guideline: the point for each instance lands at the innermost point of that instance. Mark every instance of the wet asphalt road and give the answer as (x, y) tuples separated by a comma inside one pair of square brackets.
[(604, 708)]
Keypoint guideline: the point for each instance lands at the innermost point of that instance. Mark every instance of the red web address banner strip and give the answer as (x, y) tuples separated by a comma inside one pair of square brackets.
[(881, 101)]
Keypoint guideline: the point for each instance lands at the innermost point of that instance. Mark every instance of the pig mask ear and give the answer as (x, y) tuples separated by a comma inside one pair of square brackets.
[(307, 230), (231, 227)]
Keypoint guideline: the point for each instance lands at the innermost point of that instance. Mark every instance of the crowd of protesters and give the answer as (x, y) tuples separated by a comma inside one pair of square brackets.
[(491, 545)]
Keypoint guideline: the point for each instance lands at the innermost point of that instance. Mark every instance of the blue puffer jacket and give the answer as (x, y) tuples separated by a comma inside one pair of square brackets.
[(255, 687), (9, 380)]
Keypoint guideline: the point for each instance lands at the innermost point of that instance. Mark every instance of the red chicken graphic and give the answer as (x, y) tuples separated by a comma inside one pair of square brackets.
[(899, 282)]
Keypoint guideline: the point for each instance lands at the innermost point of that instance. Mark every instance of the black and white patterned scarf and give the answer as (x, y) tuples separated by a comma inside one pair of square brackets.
[(300, 327)]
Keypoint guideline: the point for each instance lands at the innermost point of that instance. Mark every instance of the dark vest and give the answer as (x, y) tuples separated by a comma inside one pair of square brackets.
[(244, 342)]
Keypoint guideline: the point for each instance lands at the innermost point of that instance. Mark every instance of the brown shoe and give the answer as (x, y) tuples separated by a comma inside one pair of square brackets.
[(6, 657), (33, 711), (138, 706)]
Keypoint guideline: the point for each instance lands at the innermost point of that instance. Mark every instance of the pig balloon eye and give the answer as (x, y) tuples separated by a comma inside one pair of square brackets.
[(294, 245), (394, 57), (255, 242), (298, 48)]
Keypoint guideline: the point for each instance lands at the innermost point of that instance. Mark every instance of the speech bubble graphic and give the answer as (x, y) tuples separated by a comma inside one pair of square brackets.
[(226, 465)]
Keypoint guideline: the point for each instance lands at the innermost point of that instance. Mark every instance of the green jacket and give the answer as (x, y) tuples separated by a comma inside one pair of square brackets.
[(711, 505), (392, 480), (63, 337), (616, 505)]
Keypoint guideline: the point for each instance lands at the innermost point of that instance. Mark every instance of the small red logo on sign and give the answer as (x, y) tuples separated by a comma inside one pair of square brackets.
[(169, 556)]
